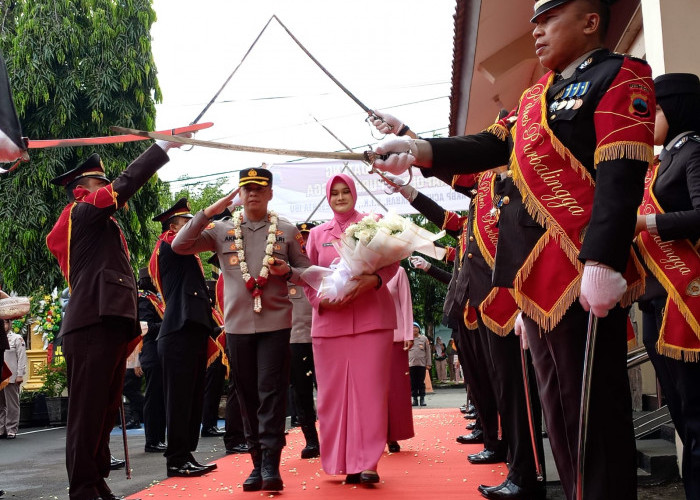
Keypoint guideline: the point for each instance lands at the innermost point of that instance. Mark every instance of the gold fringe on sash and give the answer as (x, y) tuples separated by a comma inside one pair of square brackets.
[(482, 248), (624, 149), (499, 131), (471, 325), (213, 357), (636, 289), (499, 330)]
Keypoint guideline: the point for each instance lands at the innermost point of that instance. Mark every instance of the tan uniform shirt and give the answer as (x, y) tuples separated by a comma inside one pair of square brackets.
[(199, 235), (301, 315)]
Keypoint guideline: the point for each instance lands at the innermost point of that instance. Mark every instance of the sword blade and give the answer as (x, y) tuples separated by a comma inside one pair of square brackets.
[(110, 139), (591, 335), (367, 156)]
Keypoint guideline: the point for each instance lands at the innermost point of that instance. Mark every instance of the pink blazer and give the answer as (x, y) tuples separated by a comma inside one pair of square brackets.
[(366, 313)]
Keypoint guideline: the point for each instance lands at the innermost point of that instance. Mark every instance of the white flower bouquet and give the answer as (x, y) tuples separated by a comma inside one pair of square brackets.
[(370, 244)]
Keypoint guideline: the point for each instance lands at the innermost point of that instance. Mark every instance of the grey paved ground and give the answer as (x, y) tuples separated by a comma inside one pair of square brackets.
[(33, 465)]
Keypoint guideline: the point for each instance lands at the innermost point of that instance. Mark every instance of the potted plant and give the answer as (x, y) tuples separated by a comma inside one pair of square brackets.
[(25, 408), (54, 376)]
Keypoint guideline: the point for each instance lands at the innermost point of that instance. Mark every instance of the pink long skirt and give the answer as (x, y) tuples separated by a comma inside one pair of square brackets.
[(400, 410), (352, 373)]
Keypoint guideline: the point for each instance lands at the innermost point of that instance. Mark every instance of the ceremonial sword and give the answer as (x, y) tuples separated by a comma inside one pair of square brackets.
[(367, 156), (530, 415), (591, 335)]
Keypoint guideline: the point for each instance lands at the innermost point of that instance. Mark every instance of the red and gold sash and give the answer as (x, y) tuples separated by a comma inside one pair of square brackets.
[(557, 191), (676, 264)]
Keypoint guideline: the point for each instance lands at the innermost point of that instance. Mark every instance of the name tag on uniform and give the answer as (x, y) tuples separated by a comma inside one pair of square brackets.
[(329, 244)]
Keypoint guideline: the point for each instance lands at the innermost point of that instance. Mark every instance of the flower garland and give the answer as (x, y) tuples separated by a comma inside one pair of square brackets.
[(48, 317), (255, 285)]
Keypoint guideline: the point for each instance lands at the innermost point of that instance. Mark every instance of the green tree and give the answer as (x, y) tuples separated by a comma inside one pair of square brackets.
[(76, 67)]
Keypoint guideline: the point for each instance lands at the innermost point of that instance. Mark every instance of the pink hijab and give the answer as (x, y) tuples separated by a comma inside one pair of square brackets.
[(346, 218)]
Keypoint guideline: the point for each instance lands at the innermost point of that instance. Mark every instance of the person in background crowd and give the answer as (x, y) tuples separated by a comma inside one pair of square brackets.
[(302, 369), (259, 253), (669, 221), (419, 359), (440, 360), (151, 311), (16, 359), (400, 414), (182, 342), (352, 345), (94, 259)]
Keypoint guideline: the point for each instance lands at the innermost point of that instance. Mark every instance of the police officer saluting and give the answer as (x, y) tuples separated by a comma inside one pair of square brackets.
[(101, 317), (581, 140), (259, 253), (182, 342)]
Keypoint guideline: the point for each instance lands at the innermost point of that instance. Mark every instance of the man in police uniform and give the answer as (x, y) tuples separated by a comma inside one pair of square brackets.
[(301, 377), (101, 317), (259, 253), (182, 342), (581, 142)]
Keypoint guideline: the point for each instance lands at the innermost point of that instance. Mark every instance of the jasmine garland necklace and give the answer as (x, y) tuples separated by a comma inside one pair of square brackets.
[(255, 285)]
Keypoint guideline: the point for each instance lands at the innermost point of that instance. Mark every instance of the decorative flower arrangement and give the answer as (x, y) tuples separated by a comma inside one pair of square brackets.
[(48, 316)]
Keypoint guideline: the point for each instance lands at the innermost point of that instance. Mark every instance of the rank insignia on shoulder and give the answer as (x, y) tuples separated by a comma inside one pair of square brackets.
[(681, 142), (211, 225), (585, 64)]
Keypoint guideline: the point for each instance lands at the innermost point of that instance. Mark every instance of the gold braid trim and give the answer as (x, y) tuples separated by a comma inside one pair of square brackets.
[(490, 261), (213, 357), (624, 149), (545, 319), (670, 290), (499, 330), (499, 131), (636, 289)]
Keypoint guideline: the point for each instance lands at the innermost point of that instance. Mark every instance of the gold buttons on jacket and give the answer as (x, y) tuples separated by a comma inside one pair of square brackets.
[(506, 200), (470, 255), (471, 238)]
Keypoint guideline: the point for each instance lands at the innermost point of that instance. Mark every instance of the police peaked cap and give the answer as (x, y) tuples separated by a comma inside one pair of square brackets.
[(260, 176), (672, 84), (92, 167), (181, 208), (542, 6), (305, 227)]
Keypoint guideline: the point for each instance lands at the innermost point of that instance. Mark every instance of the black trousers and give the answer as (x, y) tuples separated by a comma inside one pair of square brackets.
[(96, 360), (680, 383), (503, 353), (611, 462), (183, 356), (235, 433), (260, 368), (213, 389), (132, 392), (154, 405), (477, 373), (417, 374), (301, 380)]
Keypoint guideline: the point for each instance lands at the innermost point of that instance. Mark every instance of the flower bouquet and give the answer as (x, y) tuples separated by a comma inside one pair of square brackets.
[(370, 244)]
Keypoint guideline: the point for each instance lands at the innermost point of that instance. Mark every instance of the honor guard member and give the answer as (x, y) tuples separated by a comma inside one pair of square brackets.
[(101, 316), (581, 140), (182, 342), (259, 252), (151, 310), (669, 225), (302, 374)]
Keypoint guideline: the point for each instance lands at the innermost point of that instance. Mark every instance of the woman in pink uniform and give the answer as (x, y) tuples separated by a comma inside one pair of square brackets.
[(352, 342), (400, 410)]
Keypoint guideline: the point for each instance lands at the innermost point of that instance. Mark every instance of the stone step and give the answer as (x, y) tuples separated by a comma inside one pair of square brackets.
[(657, 457)]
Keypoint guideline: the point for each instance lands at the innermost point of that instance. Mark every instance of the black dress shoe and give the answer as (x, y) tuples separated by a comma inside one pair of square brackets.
[(470, 416), (369, 477), (239, 448), (471, 426), (394, 446), (212, 431), (486, 457), (155, 448), (188, 469), (352, 478), (476, 436), (115, 463), (133, 424), (310, 451), (510, 490), (463, 409), (208, 466)]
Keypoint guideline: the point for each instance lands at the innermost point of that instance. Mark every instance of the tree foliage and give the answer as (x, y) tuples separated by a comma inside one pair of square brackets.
[(76, 67)]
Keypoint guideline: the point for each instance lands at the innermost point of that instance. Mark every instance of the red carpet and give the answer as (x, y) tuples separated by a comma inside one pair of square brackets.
[(431, 465)]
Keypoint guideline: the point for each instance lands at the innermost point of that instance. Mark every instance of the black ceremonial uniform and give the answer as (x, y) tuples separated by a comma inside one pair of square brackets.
[(154, 398), (558, 354), (101, 316), (182, 347), (471, 282)]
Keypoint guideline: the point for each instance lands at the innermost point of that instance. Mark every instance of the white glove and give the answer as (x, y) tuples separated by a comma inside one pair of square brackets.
[(601, 288), (406, 190), (419, 262), (405, 153), (167, 145), (386, 123), (144, 327), (520, 330)]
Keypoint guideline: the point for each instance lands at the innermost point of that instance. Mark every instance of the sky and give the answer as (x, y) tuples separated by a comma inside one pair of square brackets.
[(393, 55)]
